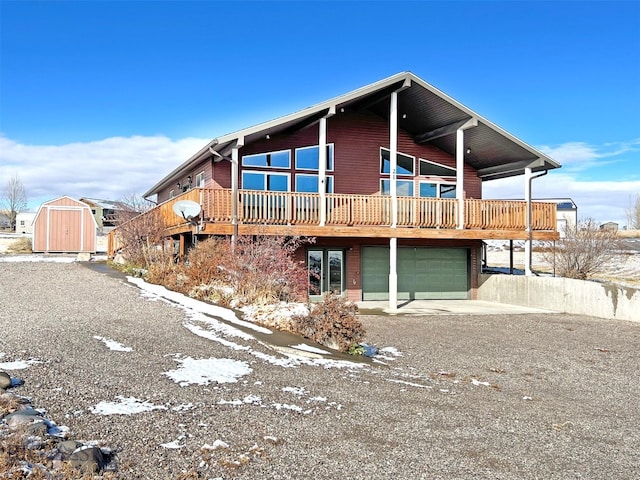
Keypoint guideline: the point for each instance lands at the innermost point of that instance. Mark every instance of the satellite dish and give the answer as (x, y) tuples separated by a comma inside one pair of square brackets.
[(187, 209)]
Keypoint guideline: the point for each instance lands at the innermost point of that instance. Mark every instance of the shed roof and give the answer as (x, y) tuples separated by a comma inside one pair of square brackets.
[(426, 113)]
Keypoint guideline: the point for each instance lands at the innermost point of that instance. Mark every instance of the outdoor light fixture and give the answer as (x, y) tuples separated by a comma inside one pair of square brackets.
[(178, 185), (268, 136), (468, 151), (189, 179)]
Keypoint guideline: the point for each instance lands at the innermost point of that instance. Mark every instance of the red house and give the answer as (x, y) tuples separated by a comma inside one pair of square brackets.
[(388, 179)]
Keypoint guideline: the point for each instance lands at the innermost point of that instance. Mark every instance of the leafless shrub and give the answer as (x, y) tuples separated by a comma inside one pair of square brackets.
[(140, 236), (332, 322), (584, 250)]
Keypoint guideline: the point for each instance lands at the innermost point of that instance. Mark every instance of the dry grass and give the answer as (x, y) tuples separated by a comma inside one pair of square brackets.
[(629, 233), (21, 245)]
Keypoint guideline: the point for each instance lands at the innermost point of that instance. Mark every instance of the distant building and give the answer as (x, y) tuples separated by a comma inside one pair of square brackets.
[(104, 211), (609, 226), (24, 222), (5, 221)]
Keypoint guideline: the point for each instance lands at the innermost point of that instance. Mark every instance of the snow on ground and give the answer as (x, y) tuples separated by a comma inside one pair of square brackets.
[(208, 370), (17, 364), (33, 258), (113, 345), (125, 406)]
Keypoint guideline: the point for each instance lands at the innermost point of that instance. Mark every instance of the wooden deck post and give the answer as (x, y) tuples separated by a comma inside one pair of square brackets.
[(393, 242)]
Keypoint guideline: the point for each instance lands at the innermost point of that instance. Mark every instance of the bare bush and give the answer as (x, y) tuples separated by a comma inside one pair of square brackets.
[(266, 270), (331, 322), (140, 236), (21, 245), (584, 250)]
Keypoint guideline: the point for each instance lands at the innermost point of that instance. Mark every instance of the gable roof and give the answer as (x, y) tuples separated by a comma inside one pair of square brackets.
[(425, 112)]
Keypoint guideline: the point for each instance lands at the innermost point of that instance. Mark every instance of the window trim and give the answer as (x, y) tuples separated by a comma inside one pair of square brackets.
[(405, 180), (286, 150), (413, 174), (201, 177), (263, 173), (331, 151), (441, 165), (438, 187), (314, 175)]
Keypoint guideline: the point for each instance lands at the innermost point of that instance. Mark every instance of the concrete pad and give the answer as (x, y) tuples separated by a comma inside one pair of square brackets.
[(444, 307)]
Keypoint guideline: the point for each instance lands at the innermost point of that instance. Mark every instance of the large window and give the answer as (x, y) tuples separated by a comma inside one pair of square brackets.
[(404, 188), (433, 169), (437, 190), (405, 162), (280, 159), (273, 182), (309, 183), (308, 158)]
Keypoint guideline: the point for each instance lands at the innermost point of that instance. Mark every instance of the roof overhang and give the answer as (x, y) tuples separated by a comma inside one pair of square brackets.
[(425, 112)]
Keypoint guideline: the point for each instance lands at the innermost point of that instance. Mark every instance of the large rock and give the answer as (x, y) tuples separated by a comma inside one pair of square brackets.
[(83, 257), (28, 421), (5, 380), (88, 459)]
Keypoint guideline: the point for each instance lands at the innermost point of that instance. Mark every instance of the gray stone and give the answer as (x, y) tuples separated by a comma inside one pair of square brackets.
[(83, 257), (68, 447), (120, 259), (30, 424), (87, 459), (5, 380)]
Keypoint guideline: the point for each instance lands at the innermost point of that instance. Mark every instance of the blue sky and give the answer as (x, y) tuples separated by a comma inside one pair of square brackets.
[(101, 99)]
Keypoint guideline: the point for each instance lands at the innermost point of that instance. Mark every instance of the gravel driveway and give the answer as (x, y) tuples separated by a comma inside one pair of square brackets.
[(543, 396)]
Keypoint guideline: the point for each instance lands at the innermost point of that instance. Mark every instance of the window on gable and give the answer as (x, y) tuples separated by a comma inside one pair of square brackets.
[(308, 158), (429, 168), (405, 162), (280, 159)]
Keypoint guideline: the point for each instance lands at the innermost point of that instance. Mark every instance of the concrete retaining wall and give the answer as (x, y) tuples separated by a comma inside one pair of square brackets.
[(562, 295)]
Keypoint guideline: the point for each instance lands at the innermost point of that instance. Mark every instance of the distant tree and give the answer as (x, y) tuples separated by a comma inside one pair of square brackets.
[(13, 199), (584, 250), (633, 213)]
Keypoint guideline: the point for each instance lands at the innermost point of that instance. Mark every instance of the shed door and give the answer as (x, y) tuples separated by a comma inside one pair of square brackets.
[(423, 273), (65, 230)]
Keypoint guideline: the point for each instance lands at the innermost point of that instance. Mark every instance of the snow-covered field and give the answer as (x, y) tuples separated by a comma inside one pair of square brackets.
[(624, 269)]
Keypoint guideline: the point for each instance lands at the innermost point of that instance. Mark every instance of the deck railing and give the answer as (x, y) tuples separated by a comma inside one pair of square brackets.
[(296, 208)]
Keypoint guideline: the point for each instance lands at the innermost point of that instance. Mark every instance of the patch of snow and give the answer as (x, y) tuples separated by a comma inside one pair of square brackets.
[(208, 370), (411, 384), (299, 391), (113, 345), (308, 348), (286, 406), (392, 351), (183, 407), (36, 258), (218, 444), (125, 406), (19, 364), (174, 444), (478, 383), (195, 305)]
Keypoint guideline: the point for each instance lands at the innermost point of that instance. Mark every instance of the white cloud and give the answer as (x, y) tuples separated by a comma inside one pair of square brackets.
[(580, 155), (110, 169)]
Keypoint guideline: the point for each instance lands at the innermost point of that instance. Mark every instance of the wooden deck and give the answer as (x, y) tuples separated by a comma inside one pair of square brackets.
[(294, 213)]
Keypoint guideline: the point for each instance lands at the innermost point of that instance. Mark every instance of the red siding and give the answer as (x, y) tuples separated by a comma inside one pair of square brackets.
[(357, 139)]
